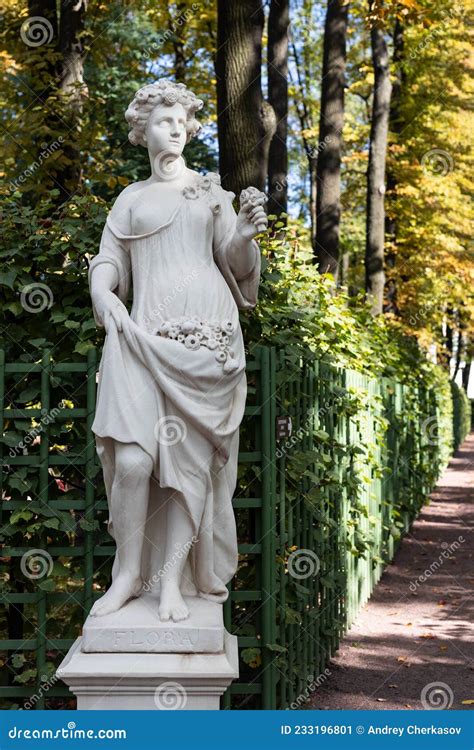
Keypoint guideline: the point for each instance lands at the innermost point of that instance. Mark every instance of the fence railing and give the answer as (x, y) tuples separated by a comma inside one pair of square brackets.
[(333, 469)]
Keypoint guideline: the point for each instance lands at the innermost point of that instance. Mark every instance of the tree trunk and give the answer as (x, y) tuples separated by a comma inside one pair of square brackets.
[(326, 249), (395, 126), (375, 226), (466, 373), (178, 44), (71, 67), (73, 89), (278, 98), (246, 122)]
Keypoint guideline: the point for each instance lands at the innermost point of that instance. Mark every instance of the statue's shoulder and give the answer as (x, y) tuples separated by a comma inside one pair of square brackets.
[(121, 212)]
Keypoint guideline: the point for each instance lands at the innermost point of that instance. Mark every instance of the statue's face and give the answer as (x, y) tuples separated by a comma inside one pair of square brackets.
[(166, 130)]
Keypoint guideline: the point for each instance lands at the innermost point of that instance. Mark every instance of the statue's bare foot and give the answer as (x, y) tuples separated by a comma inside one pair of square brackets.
[(123, 588), (172, 606)]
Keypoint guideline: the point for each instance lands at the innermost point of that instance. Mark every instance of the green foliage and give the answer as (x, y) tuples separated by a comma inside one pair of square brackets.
[(462, 414), (299, 308)]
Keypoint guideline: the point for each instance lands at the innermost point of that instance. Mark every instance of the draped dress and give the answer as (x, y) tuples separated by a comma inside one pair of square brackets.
[(173, 380)]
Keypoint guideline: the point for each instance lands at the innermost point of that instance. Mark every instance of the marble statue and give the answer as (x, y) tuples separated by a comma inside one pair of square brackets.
[(172, 384)]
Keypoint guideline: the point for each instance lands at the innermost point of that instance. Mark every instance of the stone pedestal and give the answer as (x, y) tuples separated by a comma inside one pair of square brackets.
[(131, 661), (136, 628)]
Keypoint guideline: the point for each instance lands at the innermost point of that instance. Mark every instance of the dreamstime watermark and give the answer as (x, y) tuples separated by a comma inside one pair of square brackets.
[(71, 732), (452, 14), (46, 150), (313, 684), (311, 153), (36, 564), (170, 430), (437, 161), (46, 418), (170, 696), (304, 32), (177, 23), (430, 431), (303, 563), (36, 297), (167, 166), (448, 549), (36, 31), (180, 552), (46, 683), (437, 696), (305, 429), (422, 312), (169, 299)]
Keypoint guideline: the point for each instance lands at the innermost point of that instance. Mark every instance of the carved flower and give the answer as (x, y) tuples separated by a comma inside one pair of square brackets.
[(190, 192), (180, 337), (227, 326), (174, 331), (188, 326), (221, 356), (212, 343), (170, 97), (192, 342), (225, 339), (165, 327)]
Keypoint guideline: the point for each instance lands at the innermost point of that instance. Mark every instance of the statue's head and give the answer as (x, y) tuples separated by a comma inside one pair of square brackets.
[(162, 117)]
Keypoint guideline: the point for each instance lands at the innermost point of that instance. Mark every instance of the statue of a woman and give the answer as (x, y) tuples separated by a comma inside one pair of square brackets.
[(172, 383)]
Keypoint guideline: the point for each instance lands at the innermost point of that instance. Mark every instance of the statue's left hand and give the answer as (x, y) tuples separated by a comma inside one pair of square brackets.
[(251, 219)]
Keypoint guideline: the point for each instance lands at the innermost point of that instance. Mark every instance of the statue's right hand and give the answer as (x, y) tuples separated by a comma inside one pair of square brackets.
[(110, 310)]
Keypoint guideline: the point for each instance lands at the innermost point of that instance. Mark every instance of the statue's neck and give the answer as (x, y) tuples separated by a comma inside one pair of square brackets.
[(166, 167)]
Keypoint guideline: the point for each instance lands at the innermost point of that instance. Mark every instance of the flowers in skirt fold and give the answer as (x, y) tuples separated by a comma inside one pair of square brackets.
[(194, 333)]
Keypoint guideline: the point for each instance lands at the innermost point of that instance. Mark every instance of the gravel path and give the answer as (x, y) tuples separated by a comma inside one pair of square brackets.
[(413, 633)]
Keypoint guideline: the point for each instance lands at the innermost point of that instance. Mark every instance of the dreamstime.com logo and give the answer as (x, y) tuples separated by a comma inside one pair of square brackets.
[(36, 563), (313, 684), (170, 430), (71, 732), (303, 563), (36, 297), (36, 31), (437, 696), (446, 554), (437, 161), (170, 696)]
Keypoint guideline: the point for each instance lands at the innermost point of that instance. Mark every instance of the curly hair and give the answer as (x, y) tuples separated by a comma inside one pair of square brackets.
[(162, 92)]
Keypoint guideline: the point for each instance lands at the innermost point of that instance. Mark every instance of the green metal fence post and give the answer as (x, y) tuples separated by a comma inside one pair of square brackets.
[(268, 527)]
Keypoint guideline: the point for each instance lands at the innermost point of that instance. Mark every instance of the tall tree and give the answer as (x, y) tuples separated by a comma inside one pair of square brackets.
[(72, 88), (304, 116), (71, 47), (278, 23), (375, 225), (246, 122), (395, 127), (328, 200)]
